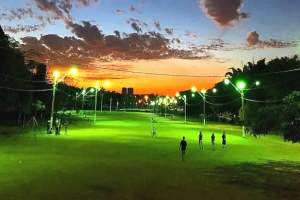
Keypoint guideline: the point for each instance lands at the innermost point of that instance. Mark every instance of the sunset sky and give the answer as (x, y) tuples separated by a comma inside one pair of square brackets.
[(154, 46)]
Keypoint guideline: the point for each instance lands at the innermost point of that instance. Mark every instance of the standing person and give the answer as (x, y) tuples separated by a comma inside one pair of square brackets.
[(200, 140), (224, 140), (182, 147), (213, 141), (153, 131), (66, 126), (56, 126)]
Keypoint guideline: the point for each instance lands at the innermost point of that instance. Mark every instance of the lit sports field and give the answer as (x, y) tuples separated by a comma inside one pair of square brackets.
[(116, 159)]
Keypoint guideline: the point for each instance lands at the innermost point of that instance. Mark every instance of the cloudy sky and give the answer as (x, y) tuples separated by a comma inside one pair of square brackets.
[(154, 46)]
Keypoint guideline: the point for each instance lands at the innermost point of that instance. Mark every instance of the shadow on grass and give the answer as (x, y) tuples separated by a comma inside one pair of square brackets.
[(277, 180), (102, 189)]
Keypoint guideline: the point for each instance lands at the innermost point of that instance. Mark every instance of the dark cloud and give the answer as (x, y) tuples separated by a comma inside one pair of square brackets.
[(224, 13), (23, 28), (90, 33), (17, 14), (252, 38), (136, 27), (254, 41), (157, 24), (169, 31), (52, 6), (138, 22), (87, 3), (109, 48), (117, 33), (61, 8)]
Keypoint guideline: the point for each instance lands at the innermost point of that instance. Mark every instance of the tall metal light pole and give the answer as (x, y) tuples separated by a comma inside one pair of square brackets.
[(76, 102), (101, 101), (110, 102), (184, 99), (107, 83), (56, 75), (96, 98), (202, 94), (240, 88), (83, 93)]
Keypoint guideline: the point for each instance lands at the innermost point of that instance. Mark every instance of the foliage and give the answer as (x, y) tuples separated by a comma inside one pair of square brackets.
[(283, 118), (267, 120), (291, 122), (14, 93)]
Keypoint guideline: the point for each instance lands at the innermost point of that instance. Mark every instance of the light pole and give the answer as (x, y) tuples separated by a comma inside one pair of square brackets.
[(96, 98), (110, 102), (240, 88), (165, 102), (83, 93), (107, 83), (202, 94), (76, 102), (56, 81), (184, 99), (101, 101)]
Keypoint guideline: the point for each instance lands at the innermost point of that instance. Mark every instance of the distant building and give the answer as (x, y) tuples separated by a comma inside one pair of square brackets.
[(130, 91), (127, 91), (124, 90)]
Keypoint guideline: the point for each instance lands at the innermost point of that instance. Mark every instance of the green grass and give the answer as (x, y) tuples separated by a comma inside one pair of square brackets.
[(117, 159)]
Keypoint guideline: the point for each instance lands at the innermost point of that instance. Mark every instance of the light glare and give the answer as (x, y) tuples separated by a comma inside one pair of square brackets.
[(226, 81), (241, 85), (56, 74)]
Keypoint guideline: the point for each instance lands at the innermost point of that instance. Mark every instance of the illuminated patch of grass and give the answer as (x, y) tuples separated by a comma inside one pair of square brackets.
[(115, 158)]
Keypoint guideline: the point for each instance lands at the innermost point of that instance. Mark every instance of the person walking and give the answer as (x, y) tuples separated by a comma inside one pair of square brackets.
[(200, 140), (213, 141), (224, 141), (182, 147)]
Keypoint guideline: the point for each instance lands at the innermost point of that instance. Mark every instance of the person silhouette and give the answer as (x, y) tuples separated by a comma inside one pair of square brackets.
[(182, 147), (224, 141), (200, 140), (213, 141)]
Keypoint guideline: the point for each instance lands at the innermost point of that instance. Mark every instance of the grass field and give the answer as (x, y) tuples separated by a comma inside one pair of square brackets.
[(117, 159)]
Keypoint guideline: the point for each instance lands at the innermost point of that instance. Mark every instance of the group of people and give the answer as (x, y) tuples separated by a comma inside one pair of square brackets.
[(57, 126), (213, 138), (183, 143)]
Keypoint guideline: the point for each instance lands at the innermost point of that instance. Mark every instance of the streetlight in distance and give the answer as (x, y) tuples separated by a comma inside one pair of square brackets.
[(241, 85), (202, 94), (56, 80), (184, 99), (95, 112), (152, 104), (107, 83), (84, 93)]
